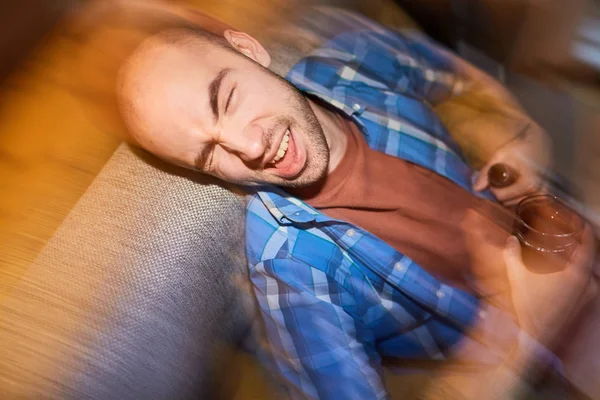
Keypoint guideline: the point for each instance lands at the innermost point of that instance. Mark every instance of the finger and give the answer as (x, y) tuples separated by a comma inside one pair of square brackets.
[(517, 200), (588, 240), (482, 182), (541, 189), (587, 295), (513, 202), (591, 292), (512, 251), (582, 259), (512, 254), (524, 186)]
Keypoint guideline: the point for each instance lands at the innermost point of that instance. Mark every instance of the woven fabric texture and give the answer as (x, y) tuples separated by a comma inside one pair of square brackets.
[(118, 304)]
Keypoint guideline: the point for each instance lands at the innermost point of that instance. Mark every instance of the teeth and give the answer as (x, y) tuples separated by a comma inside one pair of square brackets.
[(282, 147)]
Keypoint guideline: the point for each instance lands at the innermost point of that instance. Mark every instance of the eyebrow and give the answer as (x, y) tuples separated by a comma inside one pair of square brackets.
[(213, 91)]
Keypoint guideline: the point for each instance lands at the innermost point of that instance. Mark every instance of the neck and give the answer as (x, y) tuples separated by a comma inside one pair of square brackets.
[(334, 133)]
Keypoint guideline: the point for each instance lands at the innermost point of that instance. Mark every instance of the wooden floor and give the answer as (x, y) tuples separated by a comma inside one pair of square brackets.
[(50, 151)]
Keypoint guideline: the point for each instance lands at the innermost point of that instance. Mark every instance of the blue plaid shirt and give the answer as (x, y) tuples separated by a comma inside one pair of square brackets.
[(335, 298)]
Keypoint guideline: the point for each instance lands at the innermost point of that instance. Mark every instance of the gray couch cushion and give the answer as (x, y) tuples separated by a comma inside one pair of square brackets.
[(117, 305)]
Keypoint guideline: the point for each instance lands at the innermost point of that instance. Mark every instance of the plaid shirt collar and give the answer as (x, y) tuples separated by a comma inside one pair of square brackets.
[(288, 210)]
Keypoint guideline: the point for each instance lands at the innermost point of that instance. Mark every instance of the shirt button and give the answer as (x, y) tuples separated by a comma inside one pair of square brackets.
[(351, 232), (356, 107), (398, 266), (440, 294), (482, 314)]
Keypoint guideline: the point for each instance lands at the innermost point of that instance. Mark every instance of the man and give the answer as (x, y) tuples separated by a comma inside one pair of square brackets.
[(368, 234)]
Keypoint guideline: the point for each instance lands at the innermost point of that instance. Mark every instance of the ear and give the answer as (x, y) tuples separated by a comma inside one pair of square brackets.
[(248, 46)]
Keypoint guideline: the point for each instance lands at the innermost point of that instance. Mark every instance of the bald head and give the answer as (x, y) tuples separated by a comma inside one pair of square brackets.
[(158, 60)]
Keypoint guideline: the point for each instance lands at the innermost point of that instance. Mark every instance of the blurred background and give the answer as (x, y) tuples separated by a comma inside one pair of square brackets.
[(55, 137)]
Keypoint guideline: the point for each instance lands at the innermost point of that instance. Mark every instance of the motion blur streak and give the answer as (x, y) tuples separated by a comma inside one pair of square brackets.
[(92, 305)]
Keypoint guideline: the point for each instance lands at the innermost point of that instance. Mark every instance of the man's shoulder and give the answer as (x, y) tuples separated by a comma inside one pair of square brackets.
[(260, 227), (370, 56), (266, 231)]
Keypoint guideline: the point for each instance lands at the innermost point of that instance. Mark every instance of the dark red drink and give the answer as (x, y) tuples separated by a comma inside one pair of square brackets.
[(549, 233)]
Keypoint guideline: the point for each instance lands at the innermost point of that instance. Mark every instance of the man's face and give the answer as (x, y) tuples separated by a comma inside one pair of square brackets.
[(219, 110)]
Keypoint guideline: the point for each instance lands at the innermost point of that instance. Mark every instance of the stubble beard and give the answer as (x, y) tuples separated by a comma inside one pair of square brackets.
[(303, 123)]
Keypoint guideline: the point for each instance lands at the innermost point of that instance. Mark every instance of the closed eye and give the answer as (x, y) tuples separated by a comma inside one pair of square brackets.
[(229, 98)]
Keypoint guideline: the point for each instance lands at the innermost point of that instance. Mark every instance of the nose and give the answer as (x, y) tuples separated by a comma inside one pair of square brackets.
[(248, 145)]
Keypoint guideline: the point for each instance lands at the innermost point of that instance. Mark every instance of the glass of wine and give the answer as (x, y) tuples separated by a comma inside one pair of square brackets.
[(549, 232)]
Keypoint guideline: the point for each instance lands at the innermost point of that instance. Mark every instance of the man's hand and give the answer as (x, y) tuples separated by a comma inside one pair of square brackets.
[(528, 154), (544, 303)]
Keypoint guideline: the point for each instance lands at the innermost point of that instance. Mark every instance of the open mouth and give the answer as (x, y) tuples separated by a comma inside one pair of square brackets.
[(283, 146), (289, 159)]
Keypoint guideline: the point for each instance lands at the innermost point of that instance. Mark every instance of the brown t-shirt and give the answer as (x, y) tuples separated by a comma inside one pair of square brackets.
[(416, 211)]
